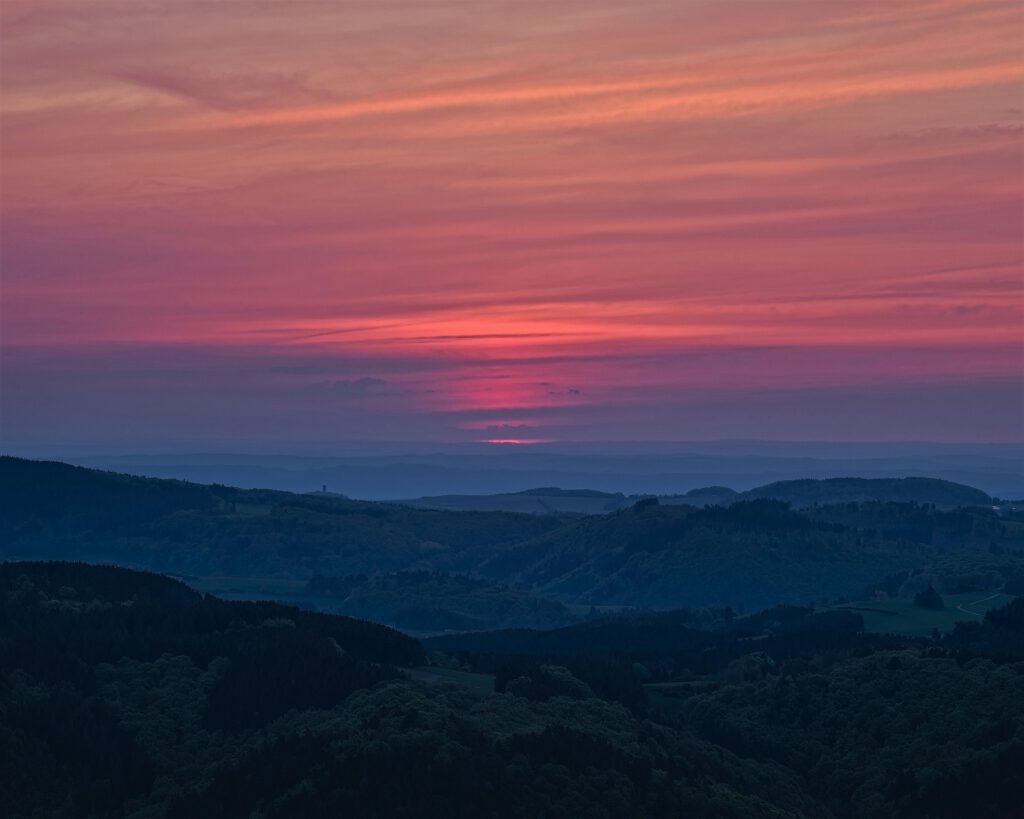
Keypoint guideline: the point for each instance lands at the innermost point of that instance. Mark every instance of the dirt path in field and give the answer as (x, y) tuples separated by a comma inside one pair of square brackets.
[(974, 603)]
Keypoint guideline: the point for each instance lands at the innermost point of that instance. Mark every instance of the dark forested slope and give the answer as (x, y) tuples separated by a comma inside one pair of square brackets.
[(53, 510), (433, 601), (125, 694), (753, 554), (895, 733)]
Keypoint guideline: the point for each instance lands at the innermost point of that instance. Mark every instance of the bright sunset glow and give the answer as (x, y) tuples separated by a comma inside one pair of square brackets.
[(602, 220)]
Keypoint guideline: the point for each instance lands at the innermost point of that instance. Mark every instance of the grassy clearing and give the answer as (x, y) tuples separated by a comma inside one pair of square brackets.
[(480, 683), (903, 617), (277, 589), (249, 588)]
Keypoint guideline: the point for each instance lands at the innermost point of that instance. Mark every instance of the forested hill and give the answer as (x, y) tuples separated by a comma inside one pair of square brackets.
[(748, 554), (101, 613), (54, 510), (753, 553), (691, 638), (124, 695), (799, 493), (807, 492)]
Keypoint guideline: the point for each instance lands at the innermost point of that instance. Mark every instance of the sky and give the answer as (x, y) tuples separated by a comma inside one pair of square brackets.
[(511, 221)]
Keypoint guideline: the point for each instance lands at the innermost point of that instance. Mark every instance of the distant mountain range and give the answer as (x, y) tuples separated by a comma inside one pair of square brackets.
[(378, 471), (800, 493)]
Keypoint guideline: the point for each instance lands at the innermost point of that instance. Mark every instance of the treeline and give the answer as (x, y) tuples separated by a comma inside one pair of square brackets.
[(430, 601), (1000, 635), (954, 574), (970, 529), (634, 649), (96, 614)]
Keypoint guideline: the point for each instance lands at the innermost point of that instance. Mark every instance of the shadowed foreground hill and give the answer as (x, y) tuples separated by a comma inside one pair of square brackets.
[(101, 613), (125, 694)]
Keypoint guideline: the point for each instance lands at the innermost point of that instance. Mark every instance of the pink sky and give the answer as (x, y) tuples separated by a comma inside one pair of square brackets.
[(578, 220)]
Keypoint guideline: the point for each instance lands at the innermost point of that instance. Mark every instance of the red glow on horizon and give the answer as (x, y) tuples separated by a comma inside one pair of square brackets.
[(517, 441)]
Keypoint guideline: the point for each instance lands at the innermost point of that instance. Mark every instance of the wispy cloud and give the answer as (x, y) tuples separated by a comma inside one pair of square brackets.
[(405, 206)]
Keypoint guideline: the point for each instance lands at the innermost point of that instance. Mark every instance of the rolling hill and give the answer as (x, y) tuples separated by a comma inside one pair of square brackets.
[(753, 553), (53, 510), (260, 543), (808, 492), (799, 493)]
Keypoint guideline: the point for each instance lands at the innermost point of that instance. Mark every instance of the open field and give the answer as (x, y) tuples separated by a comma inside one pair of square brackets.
[(896, 616), (479, 683), (249, 588), (278, 589), (533, 502), (899, 616)]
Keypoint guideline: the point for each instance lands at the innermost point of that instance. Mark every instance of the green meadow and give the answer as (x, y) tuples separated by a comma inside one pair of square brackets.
[(899, 616)]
